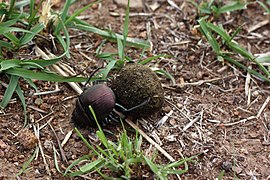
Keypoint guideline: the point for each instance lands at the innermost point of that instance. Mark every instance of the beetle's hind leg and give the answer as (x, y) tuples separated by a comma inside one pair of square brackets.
[(125, 110)]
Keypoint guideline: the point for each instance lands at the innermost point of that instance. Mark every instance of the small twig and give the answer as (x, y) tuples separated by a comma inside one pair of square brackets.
[(3, 84), (62, 152), (116, 14), (251, 117), (164, 119), (47, 92), (247, 86), (14, 134), (172, 3), (44, 125), (258, 25), (37, 109), (263, 106), (241, 121), (68, 135), (181, 112), (198, 83), (191, 123), (44, 117), (36, 130)]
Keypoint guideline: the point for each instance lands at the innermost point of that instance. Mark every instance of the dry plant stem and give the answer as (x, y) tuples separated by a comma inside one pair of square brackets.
[(164, 119), (36, 130), (258, 25), (198, 83), (247, 86), (251, 117), (47, 92), (47, 115), (263, 106), (44, 125), (160, 149), (37, 109), (72, 84), (58, 69), (3, 84), (62, 152), (191, 123), (68, 135)]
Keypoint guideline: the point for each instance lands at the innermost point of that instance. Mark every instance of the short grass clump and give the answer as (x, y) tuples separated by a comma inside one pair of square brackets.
[(123, 158), (227, 49)]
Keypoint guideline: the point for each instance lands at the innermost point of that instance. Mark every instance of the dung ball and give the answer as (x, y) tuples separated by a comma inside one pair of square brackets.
[(136, 84)]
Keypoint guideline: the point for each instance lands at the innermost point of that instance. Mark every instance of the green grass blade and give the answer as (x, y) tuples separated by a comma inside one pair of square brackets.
[(4, 30), (26, 164), (120, 48), (267, 10), (134, 42), (44, 63), (31, 83), (5, 45), (233, 6), (30, 65), (74, 163), (237, 48), (9, 22), (39, 63), (213, 42), (99, 133), (86, 142), (125, 31), (220, 176), (21, 96), (91, 166), (21, 4), (147, 60), (29, 36), (218, 30), (12, 38), (102, 138), (11, 6), (235, 33), (251, 71), (104, 72), (165, 73), (65, 43), (32, 9), (263, 59), (180, 162), (55, 160), (153, 167), (64, 13), (13, 82), (7, 64), (45, 76), (33, 12), (78, 12)]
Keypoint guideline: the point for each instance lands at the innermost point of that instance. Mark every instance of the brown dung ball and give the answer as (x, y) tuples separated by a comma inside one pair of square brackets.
[(136, 84)]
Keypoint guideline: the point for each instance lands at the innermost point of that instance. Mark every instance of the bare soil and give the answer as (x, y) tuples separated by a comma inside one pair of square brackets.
[(211, 113)]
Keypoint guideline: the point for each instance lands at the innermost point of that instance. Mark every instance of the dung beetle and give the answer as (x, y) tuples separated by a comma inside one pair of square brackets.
[(102, 99)]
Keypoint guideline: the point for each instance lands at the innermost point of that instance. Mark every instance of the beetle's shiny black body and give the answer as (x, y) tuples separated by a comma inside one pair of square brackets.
[(102, 100)]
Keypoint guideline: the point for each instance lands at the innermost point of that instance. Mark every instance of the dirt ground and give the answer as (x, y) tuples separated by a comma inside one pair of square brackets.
[(210, 112)]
